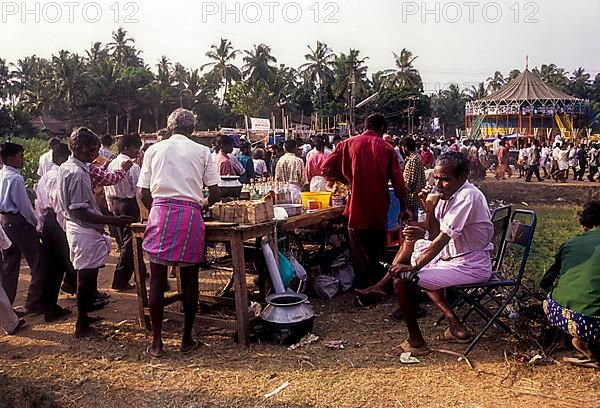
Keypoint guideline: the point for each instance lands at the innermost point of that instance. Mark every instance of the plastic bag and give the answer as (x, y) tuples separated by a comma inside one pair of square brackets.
[(286, 270), (343, 271), (326, 286), (318, 184), (299, 269)]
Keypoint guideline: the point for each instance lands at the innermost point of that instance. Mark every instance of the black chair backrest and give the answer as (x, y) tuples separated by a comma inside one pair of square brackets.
[(518, 241), (500, 220)]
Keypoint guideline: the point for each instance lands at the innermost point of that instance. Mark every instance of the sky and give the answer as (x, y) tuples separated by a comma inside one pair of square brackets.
[(460, 41)]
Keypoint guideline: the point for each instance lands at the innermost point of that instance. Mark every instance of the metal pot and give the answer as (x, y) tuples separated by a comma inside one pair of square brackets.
[(288, 317), (230, 186)]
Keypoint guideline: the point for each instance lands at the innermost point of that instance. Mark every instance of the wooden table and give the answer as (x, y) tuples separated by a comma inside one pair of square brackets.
[(311, 219), (235, 235)]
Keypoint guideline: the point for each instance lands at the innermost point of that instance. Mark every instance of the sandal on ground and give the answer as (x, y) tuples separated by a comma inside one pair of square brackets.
[(406, 347), (448, 337), (151, 354), (189, 349)]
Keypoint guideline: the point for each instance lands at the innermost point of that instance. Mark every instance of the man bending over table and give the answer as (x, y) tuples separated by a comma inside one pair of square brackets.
[(461, 232), (173, 175)]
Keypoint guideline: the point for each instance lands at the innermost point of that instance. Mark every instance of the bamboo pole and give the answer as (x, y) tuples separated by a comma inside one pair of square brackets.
[(139, 126)]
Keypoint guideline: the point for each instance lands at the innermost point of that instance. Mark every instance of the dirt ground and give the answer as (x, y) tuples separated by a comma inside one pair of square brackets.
[(516, 190), (45, 366)]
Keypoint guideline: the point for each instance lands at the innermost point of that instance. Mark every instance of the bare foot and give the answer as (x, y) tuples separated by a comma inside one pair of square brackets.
[(583, 348), (372, 292)]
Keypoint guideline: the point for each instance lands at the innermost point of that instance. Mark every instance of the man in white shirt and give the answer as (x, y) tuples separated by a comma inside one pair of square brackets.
[(51, 226), (45, 162), (123, 201), (172, 178), (496, 145)]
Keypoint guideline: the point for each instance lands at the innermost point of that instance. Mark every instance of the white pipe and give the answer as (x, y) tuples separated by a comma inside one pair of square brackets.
[(272, 267)]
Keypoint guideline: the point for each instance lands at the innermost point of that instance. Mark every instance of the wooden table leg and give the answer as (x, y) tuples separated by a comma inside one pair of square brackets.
[(140, 282), (240, 290)]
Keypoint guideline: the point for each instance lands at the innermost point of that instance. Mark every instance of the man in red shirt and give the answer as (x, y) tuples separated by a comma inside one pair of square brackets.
[(427, 157), (366, 162)]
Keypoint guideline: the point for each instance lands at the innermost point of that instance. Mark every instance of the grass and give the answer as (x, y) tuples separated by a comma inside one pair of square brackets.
[(555, 225)]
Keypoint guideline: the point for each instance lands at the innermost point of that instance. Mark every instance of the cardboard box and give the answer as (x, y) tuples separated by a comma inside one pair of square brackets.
[(244, 212), (260, 211)]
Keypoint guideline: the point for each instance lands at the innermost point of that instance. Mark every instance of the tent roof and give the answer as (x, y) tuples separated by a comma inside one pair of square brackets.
[(528, 86)]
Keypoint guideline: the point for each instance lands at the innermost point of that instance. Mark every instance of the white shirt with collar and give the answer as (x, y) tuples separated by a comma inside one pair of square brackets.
[(126, 188), (45, 163), (47, 198), (465, 218), (13, 194), (178, 168)]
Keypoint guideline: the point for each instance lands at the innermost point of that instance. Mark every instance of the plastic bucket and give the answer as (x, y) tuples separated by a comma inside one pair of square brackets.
[(323, 198)]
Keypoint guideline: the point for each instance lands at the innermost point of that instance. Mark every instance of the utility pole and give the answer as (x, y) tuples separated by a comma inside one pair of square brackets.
[(352, 100)]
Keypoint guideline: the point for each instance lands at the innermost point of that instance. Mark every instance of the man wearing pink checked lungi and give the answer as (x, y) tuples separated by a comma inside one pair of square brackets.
[(172, 178)]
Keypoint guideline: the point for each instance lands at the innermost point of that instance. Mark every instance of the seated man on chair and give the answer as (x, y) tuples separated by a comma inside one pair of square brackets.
[(459, 225)]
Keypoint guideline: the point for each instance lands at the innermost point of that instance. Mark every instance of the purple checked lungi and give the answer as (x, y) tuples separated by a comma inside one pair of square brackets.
[(175, 233)]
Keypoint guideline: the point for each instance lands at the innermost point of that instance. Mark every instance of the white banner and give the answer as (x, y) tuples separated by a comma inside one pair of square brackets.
[(260, 124)]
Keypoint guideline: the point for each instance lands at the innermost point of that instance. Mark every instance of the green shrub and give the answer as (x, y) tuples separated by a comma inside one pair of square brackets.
[(34, 148)]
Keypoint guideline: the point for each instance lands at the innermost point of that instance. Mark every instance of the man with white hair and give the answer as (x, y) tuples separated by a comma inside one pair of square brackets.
[(172, 178)]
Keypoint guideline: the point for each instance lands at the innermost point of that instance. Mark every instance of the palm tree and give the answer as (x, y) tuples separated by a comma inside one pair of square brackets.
[(121, 51), (223, 70), (6, 80), (496, 82), (580, 85), (68, 78), (475, 92), (257, 68), (553, 75), (104, 77), (449, 105), (378, 79), (96, 53), (514, 74), (284, 85), (405, 74), (26, 70), (350, 68), (319, 67), (160, 93)]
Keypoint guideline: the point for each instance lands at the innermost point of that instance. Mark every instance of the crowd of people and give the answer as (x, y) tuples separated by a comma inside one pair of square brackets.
[(84, 186)]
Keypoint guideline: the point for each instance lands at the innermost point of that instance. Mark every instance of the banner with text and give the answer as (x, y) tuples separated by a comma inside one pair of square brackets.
[(260, 124)]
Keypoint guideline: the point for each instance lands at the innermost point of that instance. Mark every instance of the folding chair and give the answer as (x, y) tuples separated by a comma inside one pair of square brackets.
[(500, 220), (506, 279)]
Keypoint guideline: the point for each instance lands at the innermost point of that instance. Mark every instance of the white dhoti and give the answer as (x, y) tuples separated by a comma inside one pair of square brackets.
[(89, 248)]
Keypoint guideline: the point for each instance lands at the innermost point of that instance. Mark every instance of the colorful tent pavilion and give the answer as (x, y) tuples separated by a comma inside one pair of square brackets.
[(526, 106)]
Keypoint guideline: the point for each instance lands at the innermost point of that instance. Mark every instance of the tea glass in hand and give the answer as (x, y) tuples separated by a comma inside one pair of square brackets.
[(433, 197)]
